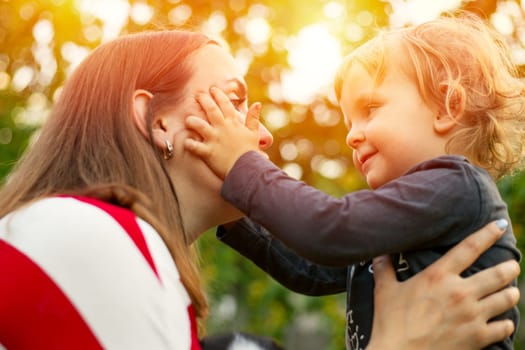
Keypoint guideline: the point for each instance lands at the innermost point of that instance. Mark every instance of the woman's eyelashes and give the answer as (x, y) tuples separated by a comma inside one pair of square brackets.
[(238, 103)]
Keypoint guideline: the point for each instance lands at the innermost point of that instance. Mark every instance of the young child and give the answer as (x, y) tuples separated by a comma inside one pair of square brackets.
[(435, 114)]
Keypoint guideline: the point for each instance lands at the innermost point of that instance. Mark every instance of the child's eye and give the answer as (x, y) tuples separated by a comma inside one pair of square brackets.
[(371, 108)]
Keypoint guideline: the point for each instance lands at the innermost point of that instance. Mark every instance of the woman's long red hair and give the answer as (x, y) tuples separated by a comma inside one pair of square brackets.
[(90, 146)]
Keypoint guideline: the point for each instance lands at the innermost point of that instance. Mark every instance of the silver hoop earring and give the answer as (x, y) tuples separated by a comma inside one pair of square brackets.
[(168, 152)]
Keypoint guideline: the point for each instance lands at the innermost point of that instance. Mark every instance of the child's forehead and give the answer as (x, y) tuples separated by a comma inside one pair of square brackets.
[(379, 55), (382, 53)]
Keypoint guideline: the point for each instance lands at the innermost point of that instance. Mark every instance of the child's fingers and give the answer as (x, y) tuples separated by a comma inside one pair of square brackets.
[(200, 126), (197, 147), (210, 107), (224, 103), (252, 117)]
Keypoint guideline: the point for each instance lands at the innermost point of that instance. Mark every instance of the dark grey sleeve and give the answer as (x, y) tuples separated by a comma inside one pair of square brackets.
[(285, 266), (412, 212)]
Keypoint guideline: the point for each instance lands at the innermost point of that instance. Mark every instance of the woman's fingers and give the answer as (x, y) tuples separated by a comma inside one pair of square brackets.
[(466, 252), (384, 272), (457, 311), (491, 280), (497, 303), (496, 331)]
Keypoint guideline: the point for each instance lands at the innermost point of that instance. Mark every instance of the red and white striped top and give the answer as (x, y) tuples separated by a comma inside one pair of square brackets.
[(78, 273)]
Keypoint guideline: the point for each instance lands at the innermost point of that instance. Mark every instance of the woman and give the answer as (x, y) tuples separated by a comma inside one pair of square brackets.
[(99, 215)]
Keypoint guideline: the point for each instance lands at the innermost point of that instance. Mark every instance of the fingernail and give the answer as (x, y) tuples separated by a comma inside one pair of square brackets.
[(213, 89), (502, 224)]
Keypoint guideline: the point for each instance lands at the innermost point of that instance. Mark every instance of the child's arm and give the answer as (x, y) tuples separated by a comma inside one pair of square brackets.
[(228, 133), (282, 263), (331, 231)]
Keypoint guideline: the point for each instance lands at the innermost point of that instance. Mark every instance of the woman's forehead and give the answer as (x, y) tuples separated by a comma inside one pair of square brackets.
[(213, 65)]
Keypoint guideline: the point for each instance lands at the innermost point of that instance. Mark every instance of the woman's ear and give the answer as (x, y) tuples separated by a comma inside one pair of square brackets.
[(141, 99), (161, 138)]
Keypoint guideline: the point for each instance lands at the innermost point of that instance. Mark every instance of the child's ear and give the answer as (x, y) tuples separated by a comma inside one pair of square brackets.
[(443, 123), (447, 118)]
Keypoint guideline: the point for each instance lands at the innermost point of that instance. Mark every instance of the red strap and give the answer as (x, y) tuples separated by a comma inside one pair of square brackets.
[(195, 344), (34, 312), (126, 218)]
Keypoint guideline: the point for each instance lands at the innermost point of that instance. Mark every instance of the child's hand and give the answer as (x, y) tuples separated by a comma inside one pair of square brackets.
[(227, 136)]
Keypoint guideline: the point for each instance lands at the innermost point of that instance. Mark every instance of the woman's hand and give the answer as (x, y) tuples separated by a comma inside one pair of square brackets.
[(439, 309)]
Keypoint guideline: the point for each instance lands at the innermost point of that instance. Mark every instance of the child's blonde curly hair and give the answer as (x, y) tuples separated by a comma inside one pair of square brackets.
[(459, 64)]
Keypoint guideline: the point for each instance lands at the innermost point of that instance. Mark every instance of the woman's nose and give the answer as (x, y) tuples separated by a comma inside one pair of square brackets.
[(265, 137)]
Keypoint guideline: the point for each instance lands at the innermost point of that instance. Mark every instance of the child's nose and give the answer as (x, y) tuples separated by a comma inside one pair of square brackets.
[(354, 138)]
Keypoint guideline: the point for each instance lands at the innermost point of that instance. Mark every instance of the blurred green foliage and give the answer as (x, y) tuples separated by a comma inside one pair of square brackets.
[(241, 296)]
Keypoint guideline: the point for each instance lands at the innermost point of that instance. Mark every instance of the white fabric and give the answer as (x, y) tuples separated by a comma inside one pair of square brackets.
[(97, 265)]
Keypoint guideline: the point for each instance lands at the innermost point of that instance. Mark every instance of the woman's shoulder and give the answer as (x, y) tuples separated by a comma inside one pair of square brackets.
[(59, 211), (78, 226), (111, 265), (63, 221)]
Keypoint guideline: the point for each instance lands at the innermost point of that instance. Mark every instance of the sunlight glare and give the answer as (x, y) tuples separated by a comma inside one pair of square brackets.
[(354, 32), (4, 80), (180, 14), (293, 170), (313, 56), (27, 11), (257, 30), (114, 15), (288, 151), (275, 118), (334, 10), (244, 58), (329, 168), (43, 32), (365, 18), (325, 116), (418, 11), (6, 135), (503, 23), (36, 111), (215, 24), (22, 78), (141, 13), (4, 61), (74, 54)]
